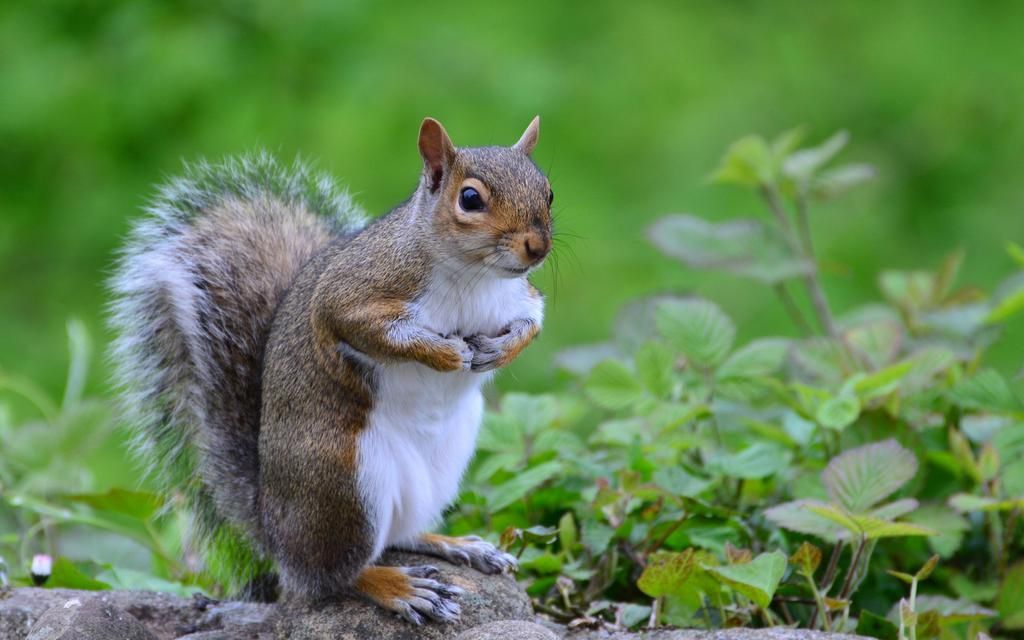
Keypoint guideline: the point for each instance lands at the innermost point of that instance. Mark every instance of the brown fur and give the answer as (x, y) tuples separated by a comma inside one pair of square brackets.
[(349, 307)]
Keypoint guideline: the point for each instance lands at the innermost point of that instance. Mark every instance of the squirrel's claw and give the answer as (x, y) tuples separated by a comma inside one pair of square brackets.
[(488, 352), (427, 598)]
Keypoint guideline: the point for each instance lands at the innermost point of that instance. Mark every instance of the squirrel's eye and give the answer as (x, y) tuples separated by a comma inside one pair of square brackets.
[(470, 200), (551, 198)]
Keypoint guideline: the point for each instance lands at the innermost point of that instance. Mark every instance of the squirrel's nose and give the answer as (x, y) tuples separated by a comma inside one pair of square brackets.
[(536, 246)]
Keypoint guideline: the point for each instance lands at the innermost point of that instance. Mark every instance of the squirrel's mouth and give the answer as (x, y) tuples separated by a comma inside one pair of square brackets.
[(516, 270)]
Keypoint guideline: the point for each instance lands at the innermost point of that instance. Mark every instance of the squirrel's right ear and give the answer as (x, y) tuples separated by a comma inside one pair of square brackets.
[(437, 151)]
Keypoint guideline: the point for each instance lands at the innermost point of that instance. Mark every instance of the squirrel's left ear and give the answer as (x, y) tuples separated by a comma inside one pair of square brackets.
[(529, 139), (437, 151)]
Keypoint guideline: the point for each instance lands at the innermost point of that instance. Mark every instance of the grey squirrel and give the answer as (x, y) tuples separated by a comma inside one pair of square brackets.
[(309, 383)]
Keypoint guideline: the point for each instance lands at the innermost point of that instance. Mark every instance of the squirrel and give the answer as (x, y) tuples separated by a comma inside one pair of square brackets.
[(308, 383)]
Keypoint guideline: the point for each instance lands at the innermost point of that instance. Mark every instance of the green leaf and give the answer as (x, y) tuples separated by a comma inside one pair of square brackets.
[(797, 516), (567, 533), (965, 503), (759, 460), (678, 482), (500, 434), (596, 537), (744, 247), (654, 367), (135, 504), (1006, 308), (757, 359), (123, 578), (757, 579), (666, 572), (1016, 252), (1010, 602), (806, 558), (803, 164), (952, 611), (747, 162), (613, 386), (698, 329), (949, 525), (835, 182), (867, 526), (68, 575), (519, 485), (987, 390), (860, 478), (534, 412), (838, 412)]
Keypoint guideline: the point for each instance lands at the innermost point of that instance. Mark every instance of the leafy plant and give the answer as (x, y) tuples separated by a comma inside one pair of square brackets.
[(683, 469)]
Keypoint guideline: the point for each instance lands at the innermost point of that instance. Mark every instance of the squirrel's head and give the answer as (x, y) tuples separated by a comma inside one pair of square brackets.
[(491, 206)]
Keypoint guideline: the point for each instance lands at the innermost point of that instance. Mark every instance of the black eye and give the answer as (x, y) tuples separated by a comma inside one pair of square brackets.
[(470, 199), (551, 198)]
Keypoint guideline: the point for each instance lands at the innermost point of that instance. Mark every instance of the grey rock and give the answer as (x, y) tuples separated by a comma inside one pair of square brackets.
[(485, 599), (506, 629), (87, 618)]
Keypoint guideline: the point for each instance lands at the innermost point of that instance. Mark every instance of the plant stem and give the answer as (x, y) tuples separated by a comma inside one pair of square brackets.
[(820, 600), (826, 582), (811, 280), (844, 594), (652, 622), (794, 311), (913, 601)]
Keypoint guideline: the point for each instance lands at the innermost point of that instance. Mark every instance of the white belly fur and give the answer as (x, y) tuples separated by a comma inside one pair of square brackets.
[(423, 427)]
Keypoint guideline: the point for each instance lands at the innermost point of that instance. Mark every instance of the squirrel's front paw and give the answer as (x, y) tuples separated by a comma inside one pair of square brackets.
[(458, 354), (488, 352)]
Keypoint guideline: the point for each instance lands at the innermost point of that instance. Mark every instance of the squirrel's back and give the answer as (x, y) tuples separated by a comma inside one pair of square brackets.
[(196, 289)]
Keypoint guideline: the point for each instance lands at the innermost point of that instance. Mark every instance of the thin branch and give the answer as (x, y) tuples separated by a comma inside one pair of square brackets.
[(794, 311)]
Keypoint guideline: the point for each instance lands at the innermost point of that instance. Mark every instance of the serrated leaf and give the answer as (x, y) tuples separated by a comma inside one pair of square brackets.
[(698, 329), (613, 386), (860, 478), (867, 526), (757, 579), (744, 247), (796, 516), (987, 390), (654, 368), (756, 359), (596, 537), (806, 558), (838, 412), (534, 412)]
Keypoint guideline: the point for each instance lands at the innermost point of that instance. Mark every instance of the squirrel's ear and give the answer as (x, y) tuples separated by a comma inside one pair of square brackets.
[(529, 139), (437, 151)]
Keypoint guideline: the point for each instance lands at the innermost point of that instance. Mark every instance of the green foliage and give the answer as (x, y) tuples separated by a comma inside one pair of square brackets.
[(679, 455), (670, 479)]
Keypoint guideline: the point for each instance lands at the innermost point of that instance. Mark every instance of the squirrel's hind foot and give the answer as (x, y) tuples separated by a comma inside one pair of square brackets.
[(468, 550), (411, 592)]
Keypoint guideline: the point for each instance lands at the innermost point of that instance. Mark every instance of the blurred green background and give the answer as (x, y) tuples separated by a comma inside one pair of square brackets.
[(100, 100)]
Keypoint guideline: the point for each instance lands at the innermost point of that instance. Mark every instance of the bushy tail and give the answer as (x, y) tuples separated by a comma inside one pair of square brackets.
[(195, 291)]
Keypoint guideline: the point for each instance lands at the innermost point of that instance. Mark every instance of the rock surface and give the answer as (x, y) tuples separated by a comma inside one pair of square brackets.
[(88, 618), (486, 599), (505, 629), (493, 608)]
